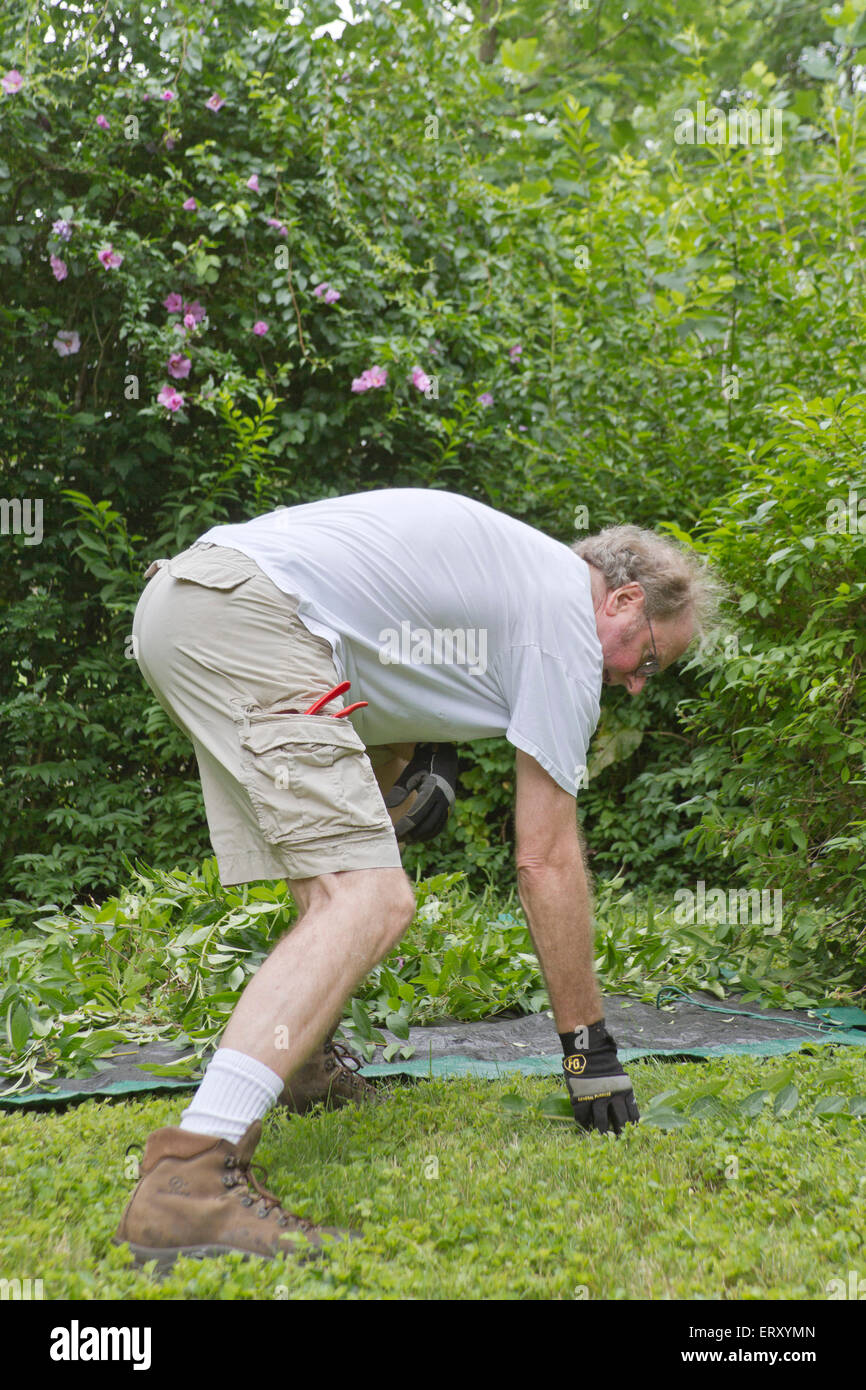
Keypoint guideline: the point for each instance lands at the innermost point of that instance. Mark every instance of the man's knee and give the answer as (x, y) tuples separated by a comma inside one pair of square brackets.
[(400, 909), (383, 897)]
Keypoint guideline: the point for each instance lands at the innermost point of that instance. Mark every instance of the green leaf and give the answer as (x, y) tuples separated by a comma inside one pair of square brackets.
[(753, 1104), (556, 1108), (797, 834), (830, 1105), (189, 1067), (664, 1119), (18, 1026), (779, 1079), (514, 1104), (657, 1102), (519, 55), (361, 1020), (612, 746), (786, 1100), (816, 64), (398, 1024), (134, 980)]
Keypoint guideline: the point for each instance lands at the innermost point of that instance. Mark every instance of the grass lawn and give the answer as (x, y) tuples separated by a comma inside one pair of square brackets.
[(460, 1198)]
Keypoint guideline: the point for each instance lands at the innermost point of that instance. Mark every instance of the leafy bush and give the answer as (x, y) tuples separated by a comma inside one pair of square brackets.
[(168, 958), (782, 720), (628, 302)]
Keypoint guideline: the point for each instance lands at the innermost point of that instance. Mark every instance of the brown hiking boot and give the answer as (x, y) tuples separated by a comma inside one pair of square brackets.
[(197, 1196), (328, 1076)]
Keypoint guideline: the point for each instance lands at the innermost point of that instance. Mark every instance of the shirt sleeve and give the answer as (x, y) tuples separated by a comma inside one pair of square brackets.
[(552, 713)]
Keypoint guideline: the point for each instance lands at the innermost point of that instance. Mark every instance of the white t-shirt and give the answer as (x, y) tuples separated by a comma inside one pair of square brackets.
[(453, 620)]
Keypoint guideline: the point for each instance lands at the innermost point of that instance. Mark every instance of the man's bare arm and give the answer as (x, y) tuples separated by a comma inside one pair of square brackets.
[(554, 891), (388, 761)]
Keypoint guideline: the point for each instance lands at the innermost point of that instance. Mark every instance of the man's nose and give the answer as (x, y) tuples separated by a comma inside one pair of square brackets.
[(635, 684)]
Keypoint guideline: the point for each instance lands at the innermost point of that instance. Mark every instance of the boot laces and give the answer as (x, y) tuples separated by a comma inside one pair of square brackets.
[(343, 1055), (268, 1202)]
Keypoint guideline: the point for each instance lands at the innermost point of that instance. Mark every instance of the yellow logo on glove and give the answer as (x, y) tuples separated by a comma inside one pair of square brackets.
[(575, 1065)]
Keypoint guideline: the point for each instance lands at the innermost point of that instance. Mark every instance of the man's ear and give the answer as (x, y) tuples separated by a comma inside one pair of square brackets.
[(628, 596)]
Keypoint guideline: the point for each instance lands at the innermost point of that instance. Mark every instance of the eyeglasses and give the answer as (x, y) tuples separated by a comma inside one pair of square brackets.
[(651, 666)]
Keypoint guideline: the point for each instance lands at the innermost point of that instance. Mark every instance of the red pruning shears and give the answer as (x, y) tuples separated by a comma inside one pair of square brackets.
[(318, 705)]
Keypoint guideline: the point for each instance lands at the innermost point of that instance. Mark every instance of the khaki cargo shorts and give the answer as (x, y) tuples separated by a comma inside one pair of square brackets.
[(286, 795)]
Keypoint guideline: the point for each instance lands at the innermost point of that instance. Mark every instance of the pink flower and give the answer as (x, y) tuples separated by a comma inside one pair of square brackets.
[(485, 399), (168, 95), (62, 228), (253, 182), (178, 365), (373, 376), (331, 296), (275, 222), (110, 258), (194, 308), (173, 303), (102, 122), (171, 399), (260, 328), (189, 320), (320, 289), (214, 102), (67, 342), (515, 352), (59, 268), (12, 82), (420, 379), (190, 205)]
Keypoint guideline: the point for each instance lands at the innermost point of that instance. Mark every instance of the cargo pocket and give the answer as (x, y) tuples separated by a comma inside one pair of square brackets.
[(214, 569), (307, 775)]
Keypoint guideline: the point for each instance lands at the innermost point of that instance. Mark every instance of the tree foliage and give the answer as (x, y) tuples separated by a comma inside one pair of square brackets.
[(607, 318)]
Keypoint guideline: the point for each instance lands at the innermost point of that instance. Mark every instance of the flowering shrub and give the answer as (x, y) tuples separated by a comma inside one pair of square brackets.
[(247, 264)]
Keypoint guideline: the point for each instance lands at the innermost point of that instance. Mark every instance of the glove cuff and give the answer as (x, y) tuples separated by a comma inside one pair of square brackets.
[(597, 1036)]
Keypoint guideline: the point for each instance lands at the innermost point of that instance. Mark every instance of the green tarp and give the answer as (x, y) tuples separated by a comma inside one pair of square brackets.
[(677, 1027)]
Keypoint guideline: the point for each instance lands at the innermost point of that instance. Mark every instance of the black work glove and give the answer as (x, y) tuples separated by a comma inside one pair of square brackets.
[(432, 773), (601, 1093)]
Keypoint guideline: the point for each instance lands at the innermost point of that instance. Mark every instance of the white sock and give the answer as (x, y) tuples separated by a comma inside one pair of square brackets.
[(235, 1090)]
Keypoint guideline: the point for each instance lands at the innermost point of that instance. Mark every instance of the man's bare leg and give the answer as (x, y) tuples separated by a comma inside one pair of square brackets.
[(349, 922), (312, 1080)]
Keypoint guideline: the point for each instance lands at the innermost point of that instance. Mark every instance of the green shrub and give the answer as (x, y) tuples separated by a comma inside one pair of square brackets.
[(782, 719)]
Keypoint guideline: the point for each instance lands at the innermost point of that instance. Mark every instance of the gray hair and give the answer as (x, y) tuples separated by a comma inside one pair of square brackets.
[(674, 580)]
